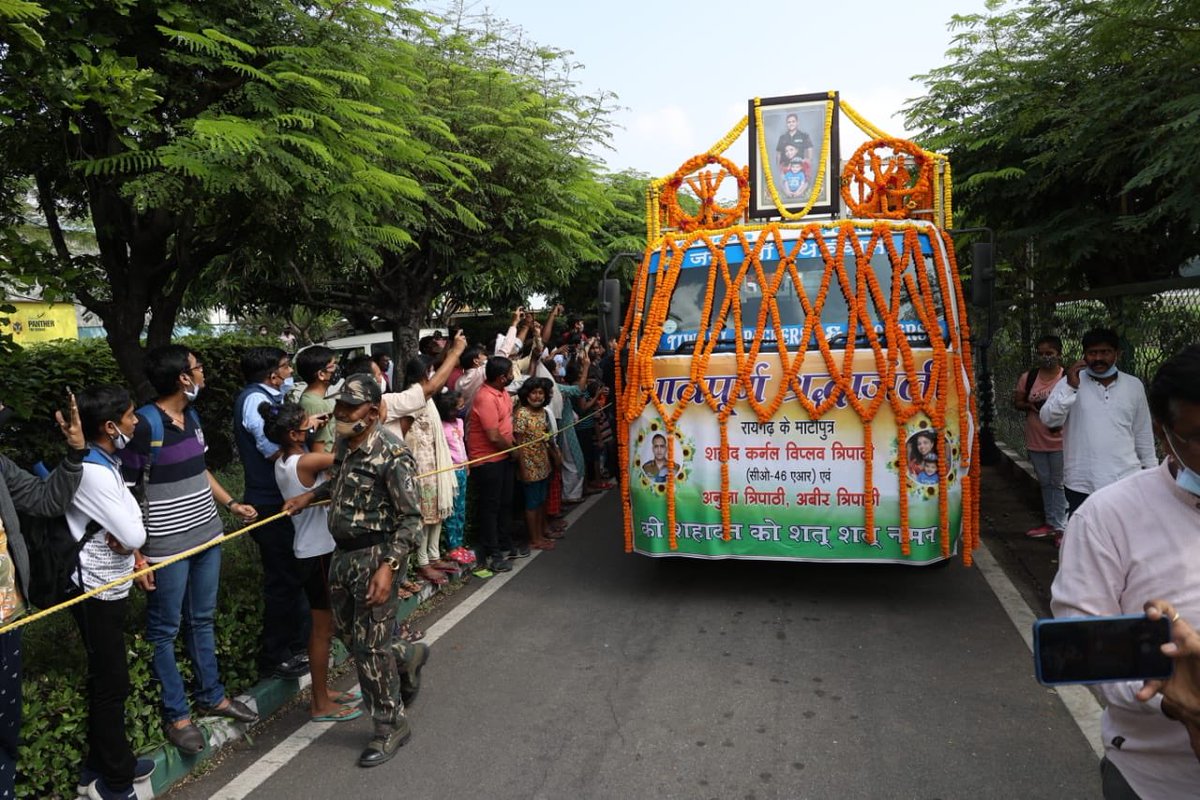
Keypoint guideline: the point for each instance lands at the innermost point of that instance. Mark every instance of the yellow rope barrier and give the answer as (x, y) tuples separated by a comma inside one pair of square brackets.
[(227, 537)]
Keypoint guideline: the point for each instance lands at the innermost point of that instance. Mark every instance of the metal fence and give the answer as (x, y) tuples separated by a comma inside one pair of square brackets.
[(1154, 320)]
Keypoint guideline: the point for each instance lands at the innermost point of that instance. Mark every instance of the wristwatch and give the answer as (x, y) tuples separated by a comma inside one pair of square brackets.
[(392, 562)]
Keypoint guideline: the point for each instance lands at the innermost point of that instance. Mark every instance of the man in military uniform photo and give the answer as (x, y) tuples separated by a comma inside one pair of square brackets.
[(374, 517)]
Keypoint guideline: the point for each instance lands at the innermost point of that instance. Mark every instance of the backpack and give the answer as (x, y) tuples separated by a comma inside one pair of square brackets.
[(54, 553)]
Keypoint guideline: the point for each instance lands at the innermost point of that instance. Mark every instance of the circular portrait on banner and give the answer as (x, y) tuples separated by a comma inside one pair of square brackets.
[(649, 454)]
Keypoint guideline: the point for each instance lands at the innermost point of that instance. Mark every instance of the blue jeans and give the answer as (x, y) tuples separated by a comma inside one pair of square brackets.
[(1049, 469), (185, 596)]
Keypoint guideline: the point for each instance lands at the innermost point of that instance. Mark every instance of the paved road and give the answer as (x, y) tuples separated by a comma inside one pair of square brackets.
[(595, 674)]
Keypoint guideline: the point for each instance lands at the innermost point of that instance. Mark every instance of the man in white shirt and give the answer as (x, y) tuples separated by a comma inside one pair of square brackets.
[(1133, 541), (1104, 417)]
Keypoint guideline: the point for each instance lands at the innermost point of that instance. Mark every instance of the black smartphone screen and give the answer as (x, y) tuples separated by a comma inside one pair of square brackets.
[(1101, 649)]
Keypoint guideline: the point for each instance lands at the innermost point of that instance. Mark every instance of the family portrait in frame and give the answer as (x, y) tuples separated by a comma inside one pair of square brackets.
[(794, 132)]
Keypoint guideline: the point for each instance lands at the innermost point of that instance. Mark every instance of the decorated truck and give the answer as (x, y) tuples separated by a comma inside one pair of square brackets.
[(794, 384)]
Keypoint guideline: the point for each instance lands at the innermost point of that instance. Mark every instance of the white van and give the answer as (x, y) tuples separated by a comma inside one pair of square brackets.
[(348, 347)]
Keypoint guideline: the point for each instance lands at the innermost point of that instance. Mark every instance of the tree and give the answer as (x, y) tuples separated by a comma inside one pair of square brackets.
[(522, 210), (1072, 130), (623, 231), (192, 135)]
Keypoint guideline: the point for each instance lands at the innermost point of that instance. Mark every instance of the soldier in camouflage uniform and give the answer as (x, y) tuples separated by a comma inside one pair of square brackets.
[(374, 518)]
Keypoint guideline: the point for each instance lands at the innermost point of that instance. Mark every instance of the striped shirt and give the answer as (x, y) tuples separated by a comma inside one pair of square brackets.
[(181, 511)]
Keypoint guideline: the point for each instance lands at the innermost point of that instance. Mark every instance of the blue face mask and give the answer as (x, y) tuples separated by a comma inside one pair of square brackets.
[(1185, 478), (1108, 373), (288, 383)]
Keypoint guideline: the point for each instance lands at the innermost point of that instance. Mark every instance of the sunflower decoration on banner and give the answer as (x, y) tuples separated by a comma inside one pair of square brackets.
[(657, 482), (889, 179), (705, 185)]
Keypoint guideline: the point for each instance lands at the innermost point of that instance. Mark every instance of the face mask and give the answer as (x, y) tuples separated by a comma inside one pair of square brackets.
[(191, 393), (287, 385), (382, 384), (348, 430), (1049, 362), (1108, 373), (120, 439), (1185, 478)]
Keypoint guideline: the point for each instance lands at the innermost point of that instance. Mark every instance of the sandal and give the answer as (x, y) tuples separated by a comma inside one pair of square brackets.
[(403, 593), (410, 587), (348, 698), (343, 714), (543, 546)]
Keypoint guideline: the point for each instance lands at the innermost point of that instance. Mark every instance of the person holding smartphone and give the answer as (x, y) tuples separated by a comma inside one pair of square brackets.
[(22, 491), (1133, 539), (1181, 692)]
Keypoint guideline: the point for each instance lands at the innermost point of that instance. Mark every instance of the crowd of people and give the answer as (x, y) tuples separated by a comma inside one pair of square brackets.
[(522, 419), (522, 424)]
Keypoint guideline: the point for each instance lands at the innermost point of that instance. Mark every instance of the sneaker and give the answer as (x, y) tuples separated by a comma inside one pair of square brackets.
[(521, 552), (291, 669), (143, 768), (99, 790), (501, 565), (1040, 532)]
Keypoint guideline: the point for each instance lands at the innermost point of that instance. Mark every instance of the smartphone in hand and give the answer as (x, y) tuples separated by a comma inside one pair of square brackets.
[(1100, 649)]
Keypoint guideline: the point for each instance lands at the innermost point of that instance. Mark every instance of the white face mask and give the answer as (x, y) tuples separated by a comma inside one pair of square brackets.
[(1185, 478), (192, 392), (119, 439)]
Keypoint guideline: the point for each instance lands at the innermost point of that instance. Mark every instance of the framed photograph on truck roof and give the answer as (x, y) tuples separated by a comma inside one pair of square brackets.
[(790, 153)]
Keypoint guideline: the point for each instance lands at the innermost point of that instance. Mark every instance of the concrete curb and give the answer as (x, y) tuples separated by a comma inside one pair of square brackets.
[(266, 697)]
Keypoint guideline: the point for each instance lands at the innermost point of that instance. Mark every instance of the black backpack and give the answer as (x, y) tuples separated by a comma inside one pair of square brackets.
[(54, 553)]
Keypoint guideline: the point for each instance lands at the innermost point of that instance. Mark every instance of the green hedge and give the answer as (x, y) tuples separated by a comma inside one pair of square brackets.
[(54, 730), (55, 719), (35, 379)]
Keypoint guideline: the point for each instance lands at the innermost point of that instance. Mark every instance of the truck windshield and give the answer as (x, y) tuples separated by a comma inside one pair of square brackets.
[(684, 318)]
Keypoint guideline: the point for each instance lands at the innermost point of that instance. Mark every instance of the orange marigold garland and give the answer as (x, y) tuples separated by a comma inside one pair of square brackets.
[(875, 186)]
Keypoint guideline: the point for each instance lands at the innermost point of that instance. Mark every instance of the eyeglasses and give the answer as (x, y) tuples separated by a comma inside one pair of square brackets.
[(285, 365), (199, 366)]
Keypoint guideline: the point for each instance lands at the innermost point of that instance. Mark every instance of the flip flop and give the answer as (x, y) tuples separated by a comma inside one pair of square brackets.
[(348, 698), (482, 573), (343, 714), (412, 588), (555, 535), (543, 546)]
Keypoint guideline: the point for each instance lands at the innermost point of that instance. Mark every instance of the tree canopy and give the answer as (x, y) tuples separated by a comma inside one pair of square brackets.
[(347, 155), (1073, 127)]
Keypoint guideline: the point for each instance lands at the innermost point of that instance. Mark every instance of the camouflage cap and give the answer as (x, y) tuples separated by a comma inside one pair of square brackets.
[(359, 389)]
